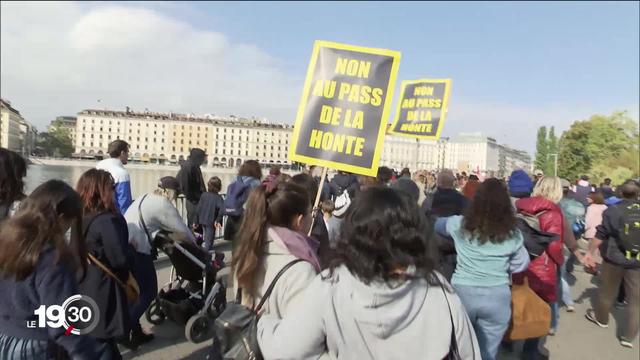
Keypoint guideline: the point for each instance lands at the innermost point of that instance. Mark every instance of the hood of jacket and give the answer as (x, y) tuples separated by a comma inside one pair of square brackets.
[(535, 205), (381, 310)]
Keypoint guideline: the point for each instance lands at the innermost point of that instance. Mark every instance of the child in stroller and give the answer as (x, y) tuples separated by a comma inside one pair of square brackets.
[(195, 296)]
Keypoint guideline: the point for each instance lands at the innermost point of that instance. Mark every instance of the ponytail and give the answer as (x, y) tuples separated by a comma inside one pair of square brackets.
[(250, 239), (270, 204)]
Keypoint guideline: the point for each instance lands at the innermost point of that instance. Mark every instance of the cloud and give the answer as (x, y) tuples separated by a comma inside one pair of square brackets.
[(59, 58)]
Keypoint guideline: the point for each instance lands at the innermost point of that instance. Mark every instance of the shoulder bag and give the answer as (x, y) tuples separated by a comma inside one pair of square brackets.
[(131, 288), (236, 329)]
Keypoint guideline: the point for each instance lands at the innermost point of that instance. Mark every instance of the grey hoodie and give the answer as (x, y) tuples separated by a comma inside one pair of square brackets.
[(343, 318)]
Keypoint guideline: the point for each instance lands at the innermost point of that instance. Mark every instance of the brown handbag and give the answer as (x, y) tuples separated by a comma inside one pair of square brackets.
[(530, 315), (131, 288)]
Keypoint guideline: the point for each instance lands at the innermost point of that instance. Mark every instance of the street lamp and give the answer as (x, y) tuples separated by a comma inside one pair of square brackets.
[(555, 163)]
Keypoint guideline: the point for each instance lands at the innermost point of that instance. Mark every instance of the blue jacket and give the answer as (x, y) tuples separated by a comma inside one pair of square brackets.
[(122, 181), (48, 284)]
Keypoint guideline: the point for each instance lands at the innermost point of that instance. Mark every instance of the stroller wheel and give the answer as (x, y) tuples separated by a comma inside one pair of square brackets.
[(154, 314), (197, 328)]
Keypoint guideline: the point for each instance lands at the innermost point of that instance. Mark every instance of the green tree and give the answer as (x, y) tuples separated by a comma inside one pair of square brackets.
[(552, 148), (603, 146), (542, 149), (57, 142)]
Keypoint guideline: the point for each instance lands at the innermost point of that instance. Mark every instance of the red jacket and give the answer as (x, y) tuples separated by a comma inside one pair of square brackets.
[(542, 271)]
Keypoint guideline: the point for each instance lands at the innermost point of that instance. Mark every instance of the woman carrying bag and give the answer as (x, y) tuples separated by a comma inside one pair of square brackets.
[(107, 241)]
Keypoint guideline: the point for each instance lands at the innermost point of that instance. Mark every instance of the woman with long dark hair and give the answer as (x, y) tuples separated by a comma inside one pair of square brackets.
[(106, 235), (273, 234), (39, 267), (380, 298), (13, 169), (490, 247)]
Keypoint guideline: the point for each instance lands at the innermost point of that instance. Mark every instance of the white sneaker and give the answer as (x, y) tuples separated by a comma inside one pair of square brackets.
[(591, 316), (571, 308), (626, 343)]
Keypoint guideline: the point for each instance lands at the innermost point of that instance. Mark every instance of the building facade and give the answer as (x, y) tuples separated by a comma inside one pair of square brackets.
[(511, 159), (472, 152), (400, 152), (16, 134), (168, 138)]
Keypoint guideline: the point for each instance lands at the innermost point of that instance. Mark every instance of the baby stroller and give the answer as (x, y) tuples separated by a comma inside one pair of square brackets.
[(193, 296)]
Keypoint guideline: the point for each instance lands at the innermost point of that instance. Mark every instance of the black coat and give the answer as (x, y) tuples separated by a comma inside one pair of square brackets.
[(191, 181), (448, 202), (107, 239)]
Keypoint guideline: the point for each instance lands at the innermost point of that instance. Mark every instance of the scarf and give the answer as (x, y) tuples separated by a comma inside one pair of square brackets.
[(299, 245)]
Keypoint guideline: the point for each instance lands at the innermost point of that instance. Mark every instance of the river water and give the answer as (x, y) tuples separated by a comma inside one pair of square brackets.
[(142, 180)]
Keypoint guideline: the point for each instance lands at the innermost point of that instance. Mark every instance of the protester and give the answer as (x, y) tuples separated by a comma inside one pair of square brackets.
[(191, 182), (542, 273), (582, 190), (146, 217), (520, 186), (429, 190), (272, 234), (106, 235), (238, 191), (593, 218), (490, 247), (210, 210), (343, 181), (13, 169), (384, 175), (334, 224), (537, 176), (407, 186), (319, 230), (446, 200), (618, 238), (327, 210), (119, 154), (470, 188), (606, 189), (38, 267), (405, 173), (381, 297)]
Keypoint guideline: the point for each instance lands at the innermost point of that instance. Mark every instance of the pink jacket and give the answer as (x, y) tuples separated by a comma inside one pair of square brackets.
[(593, 218)]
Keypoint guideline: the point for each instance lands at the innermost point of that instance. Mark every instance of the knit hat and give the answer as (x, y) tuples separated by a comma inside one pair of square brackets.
[(408, 187), (520, 182)]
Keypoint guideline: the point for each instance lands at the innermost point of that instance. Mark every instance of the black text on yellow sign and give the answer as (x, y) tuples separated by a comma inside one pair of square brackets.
[(345, 102), (422, 108)]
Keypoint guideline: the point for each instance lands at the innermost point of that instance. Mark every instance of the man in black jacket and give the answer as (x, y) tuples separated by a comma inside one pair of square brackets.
[(191, 182), (618, 238)]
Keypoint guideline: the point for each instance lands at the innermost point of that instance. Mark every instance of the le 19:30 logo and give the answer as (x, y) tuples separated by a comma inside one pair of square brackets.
[(78, 315)]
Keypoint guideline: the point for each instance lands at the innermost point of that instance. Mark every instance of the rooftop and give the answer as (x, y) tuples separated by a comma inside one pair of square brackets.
[(209, 119)]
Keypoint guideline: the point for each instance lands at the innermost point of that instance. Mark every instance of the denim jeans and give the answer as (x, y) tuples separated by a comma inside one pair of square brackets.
[(145, 274), (565, 289), (489, 309)]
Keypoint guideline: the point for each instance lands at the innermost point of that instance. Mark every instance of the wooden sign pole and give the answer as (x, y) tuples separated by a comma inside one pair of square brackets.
[(314, 210)]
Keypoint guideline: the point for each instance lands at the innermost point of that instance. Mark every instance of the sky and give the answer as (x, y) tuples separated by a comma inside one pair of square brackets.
[(514, 66)]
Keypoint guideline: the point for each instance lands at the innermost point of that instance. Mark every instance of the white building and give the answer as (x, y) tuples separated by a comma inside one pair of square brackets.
[(16, 134), (400, 152), (512, 159), (161, 137), (472, 152)]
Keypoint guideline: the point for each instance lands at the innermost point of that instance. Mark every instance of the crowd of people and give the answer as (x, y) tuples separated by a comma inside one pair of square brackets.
[(399, 265)]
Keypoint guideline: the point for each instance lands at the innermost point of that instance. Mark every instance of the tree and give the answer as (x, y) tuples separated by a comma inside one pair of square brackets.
[(57, 142), (552, 148), (542, 149), (603, 146)]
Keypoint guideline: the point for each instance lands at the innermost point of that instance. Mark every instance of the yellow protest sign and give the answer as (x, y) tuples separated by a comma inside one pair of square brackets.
[(346, 100), (422, 108)]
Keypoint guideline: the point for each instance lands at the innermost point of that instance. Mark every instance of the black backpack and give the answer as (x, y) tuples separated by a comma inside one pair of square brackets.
[(236, 329), (536, 241), (629, 230)]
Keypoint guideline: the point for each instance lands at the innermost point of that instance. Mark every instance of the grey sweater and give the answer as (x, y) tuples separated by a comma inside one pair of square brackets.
[(340, 317)]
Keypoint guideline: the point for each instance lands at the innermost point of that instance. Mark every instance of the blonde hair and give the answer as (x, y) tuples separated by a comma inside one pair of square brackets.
[(550, 188), (169, 194)]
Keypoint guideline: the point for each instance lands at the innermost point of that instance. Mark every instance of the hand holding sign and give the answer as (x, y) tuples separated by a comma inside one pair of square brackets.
[(345, 102)]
